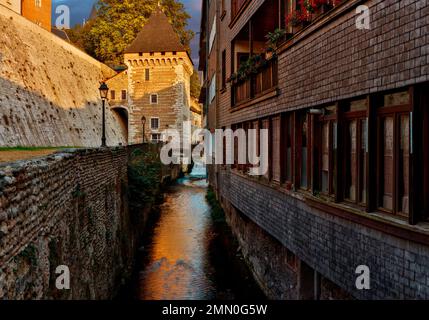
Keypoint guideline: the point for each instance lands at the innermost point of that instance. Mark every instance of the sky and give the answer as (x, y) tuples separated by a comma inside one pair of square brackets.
[(80, 10)]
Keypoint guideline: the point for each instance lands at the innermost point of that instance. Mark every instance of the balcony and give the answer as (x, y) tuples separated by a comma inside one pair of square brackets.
[(257, 85)]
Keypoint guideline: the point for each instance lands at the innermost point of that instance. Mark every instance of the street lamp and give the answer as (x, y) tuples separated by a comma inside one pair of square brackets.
[(104, 89), (144, 126)]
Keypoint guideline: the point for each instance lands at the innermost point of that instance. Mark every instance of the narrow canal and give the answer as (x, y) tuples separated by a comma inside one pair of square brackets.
[(187, 256)]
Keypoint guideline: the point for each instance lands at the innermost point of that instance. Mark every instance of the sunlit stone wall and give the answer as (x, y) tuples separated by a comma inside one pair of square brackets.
[(49, 89)]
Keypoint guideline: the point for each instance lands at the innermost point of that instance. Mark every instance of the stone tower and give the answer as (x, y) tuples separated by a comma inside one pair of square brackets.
[(158, 76)]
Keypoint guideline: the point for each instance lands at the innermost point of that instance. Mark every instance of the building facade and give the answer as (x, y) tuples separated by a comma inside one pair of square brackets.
[(38, 11), (153, 94), (346, 108)]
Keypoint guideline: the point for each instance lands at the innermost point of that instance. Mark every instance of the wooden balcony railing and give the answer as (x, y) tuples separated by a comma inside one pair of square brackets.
[(255, 85)]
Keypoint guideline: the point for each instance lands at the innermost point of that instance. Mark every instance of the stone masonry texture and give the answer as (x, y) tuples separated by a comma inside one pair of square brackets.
[(49, 89), (70, 208)]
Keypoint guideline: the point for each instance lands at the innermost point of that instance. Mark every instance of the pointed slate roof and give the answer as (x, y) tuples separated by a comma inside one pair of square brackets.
[(157, 35)]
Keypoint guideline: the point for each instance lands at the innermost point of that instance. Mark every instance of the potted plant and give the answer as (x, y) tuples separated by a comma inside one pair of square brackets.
[(323, 6), (273, 41)]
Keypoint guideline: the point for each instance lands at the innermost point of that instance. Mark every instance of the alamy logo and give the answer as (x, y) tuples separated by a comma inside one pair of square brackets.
[(221, 147), (363, 280), (63, 280), (63, 20), (363, 20)]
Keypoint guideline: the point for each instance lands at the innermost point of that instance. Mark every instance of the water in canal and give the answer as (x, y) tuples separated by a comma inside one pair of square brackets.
[(186, 256)]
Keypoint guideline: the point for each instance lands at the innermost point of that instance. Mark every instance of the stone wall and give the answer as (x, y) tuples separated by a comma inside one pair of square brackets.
[(70, 208), (331, 246), (66, 209), (169, 79), (49, 89)]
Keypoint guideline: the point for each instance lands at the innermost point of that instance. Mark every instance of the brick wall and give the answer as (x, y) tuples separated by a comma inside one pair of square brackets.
[(332, 246), (333, 60)]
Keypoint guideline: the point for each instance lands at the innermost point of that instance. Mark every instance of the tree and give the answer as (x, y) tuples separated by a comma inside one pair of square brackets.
[(119, 21), (195, 85)]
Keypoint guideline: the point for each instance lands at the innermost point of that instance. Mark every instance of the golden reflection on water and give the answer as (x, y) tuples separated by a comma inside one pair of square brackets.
[(178, 254)]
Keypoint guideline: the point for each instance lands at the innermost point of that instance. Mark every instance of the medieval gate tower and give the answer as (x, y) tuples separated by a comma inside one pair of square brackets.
[(153, 94)]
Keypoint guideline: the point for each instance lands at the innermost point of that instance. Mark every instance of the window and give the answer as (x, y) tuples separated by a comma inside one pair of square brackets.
[(424, 137), (266, 125), (154, 98), (38, 3), (112, 95), (212, 88), (156, 138), (223, 69), (147, 74), (327, 137), (288, 143), (355, 152), (174, 53), (163, 53), (154, 123), (212, 34), (276, 149), (393, 154), (302, 155), (124, 94), (140, 54)]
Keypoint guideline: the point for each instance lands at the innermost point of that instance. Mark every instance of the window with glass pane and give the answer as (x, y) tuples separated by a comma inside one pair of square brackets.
[(266, 125), (276, 144), (404, 164), (288, 143), (362, 159), (303, 149), (387, 164), (355, 163), (325, 149)]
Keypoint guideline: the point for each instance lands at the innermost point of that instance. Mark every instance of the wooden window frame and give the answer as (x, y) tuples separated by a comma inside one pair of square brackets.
[(288, 141), (318, 142), (298, 151), (348, 117), (395, 112)]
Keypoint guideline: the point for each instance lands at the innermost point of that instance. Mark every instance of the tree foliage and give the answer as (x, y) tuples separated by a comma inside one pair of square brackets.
[(195, 85), (118, 23)]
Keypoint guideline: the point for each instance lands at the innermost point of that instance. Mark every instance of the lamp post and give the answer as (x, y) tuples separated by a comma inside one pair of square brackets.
[(104, 89), (144, 126)]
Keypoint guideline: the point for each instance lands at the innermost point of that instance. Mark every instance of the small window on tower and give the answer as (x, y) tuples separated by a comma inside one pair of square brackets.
[(147, 74), (112, 95), (163, 53), (154, 123), (124, 94), (140, 54), (38, 3), (153, 99)]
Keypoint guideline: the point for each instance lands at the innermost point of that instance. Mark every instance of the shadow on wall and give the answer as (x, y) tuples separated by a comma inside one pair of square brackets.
[(30, 119)]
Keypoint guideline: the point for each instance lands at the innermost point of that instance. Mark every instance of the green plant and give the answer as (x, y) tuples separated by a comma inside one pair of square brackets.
[(144, 178), (273, 38), (217, 213)]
